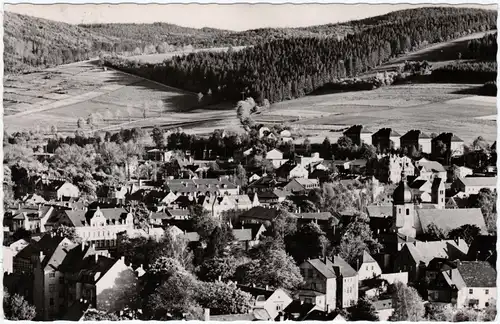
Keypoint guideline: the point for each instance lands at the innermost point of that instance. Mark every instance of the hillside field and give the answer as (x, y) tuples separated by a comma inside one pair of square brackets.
[(59, 96)]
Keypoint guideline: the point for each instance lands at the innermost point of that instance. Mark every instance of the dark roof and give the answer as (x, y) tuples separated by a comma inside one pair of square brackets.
[(318, 216), (417, 184), (386, 132), (47, 244), (357, 129), (447, 138), (257, 292), (415, 135), (343, 267), (297, 307), (260, 213), (75, 257), (325, 268), (255, 228), (90, 267), (477, 273)]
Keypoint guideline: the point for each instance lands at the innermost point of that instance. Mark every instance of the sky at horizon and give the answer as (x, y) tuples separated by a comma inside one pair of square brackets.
[(235, 17)]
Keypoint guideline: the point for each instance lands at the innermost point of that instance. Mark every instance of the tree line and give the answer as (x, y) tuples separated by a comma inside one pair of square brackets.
[(288, 68)]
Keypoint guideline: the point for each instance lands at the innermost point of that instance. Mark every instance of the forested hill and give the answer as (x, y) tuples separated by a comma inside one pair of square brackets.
[(33, 42), (292, 67)]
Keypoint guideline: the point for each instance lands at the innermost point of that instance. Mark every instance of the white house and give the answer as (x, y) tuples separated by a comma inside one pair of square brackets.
[(367, 267), (472, 185)]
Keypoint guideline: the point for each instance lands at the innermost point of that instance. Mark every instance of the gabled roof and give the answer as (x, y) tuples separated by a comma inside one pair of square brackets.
[(479, 181), (367, 258), (257, 292), (260, 213), (343, 267), (449, 219), (379, 210), (426, 251), (414, 135), (326, 269), (92, 270), (317, 216), (357, 129), (477, 273), (431, 166)]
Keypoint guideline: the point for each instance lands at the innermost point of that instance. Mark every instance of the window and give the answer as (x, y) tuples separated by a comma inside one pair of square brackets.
[(308, 301), (372, 268), (52, 287), (471, 291), (310, 273), (313, 285), (61, 280), (52, 274), (486, 291), (278, 307), (51, 302), (407, 211)]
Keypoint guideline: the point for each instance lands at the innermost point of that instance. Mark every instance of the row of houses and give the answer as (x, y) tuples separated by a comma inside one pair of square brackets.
[(387, 139)]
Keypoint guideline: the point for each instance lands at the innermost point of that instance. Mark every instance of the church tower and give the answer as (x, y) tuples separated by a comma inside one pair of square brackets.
[(403, 210)]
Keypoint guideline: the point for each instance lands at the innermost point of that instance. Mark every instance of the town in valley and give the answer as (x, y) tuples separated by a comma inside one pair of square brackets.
[(338, 172)]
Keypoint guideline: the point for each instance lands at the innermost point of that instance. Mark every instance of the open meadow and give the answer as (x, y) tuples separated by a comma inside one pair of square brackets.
[(60, 96), (432, 108)]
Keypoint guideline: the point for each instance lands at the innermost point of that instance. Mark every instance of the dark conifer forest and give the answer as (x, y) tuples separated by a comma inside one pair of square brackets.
[(289, 68)]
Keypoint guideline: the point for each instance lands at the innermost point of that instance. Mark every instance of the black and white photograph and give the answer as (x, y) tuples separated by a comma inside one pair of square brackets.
[(249, 162)]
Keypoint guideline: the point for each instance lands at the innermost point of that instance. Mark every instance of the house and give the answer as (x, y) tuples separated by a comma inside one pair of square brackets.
[(383, 308), (465, 284), (359, 134), (29, 218), (270, 198), (33, 200), (99, 226), (253, 177), (320, 283), (40, 262), (428, 170), (9, 252), (159, 155), (196, 187), (347, 283), (393, 167), (59, 189), (259, 215), (290, 170), (418, 140), (301, 185), (274, 154), (307, 161), (415, 257), (472, 185), (367, 267), (323, 219), (298, 310), (273, 301), (112, 195), (256, 231), (386, 139), (453, 144), (462, 172), (99, 280)]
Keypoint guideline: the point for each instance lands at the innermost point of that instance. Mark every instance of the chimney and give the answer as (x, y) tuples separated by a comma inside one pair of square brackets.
[(41, 256), (253, 285), (96, 257), (267, 287), (206, 315), (83, 246)]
